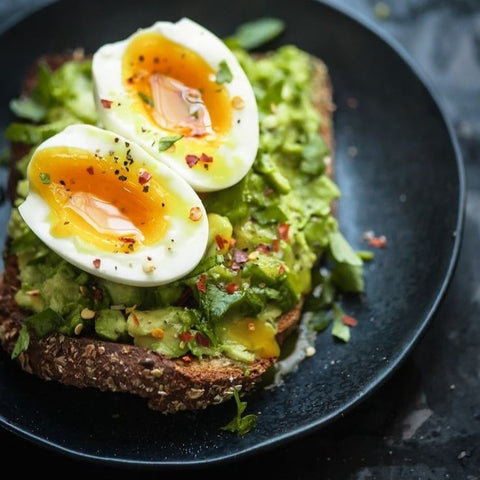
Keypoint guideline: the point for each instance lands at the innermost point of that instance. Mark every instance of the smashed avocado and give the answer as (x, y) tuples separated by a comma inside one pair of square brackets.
[(269, 234)]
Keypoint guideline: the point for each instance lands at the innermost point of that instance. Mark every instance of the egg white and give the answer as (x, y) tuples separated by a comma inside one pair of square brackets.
[(172, 257), (239, 147)]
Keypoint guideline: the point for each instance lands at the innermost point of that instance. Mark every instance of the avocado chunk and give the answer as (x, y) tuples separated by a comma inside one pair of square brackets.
[(111, 325), (160, 330)]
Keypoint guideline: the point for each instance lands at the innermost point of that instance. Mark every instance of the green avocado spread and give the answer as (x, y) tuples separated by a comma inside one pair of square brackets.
[(273, 238)]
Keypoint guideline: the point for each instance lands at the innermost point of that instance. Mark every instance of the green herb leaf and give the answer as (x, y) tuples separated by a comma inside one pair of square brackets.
[(44, 322), (22, 342), (319, 321), (145, 98), (216, 302), (166, 142), (258, 32), (239, 424), (339, 329), (365, 255), (45, 178), (224, 75)]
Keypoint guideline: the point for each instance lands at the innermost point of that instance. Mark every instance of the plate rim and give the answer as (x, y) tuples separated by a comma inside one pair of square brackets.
[(407, 59)]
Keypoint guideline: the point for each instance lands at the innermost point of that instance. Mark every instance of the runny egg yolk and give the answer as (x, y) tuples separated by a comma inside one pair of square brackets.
[(175, 87), (256, 335), (109, 202)]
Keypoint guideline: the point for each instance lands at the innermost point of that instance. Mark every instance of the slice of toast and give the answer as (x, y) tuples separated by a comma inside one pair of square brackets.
[(170, 385)]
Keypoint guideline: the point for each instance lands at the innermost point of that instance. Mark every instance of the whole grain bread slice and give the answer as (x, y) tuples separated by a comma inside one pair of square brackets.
[(169, 385)]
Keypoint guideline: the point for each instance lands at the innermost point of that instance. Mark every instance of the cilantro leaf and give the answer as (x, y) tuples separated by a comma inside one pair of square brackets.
[(166, 142), (216, 302), (224, 74), (45, 178), (43, 323), (22, 343), (253, 34), (239, 424), (146, 98), (339, 329)]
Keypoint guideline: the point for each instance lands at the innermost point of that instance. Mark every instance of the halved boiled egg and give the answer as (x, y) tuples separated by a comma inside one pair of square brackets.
[(178, 91), (105, 205)]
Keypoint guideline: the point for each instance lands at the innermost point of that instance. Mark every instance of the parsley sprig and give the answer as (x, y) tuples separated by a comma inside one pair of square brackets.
[(241, 424)]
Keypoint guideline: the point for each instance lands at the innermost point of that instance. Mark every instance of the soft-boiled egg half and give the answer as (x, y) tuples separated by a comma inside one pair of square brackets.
[(105, 205), (182, 95)]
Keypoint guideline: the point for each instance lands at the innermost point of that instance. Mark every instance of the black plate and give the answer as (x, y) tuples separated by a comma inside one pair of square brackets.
[(405, 182)]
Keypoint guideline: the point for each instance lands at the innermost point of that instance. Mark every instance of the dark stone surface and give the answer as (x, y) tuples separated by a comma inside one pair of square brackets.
[(424, 423)]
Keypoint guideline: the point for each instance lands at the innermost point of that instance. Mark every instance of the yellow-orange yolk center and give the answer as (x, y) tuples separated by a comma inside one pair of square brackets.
[(254, 334), (175, 87), (110, 202)]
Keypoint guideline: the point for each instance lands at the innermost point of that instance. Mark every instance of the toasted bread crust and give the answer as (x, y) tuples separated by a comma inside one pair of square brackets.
[(169, 385)]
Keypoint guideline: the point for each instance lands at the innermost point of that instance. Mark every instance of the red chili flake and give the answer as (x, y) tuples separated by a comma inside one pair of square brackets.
[(206, 159), (187, 358), (261, 247), (350, 321), (283, 230), (144, 177), (202, 340), (127, 239), (191, 160), (185, 336), (201, 283), (90, 170), (268, 191), (281, 269), (97, 262), (135, 319), (221, 241), (276, 245), (378, 242), (106, 103), (231, 287)]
